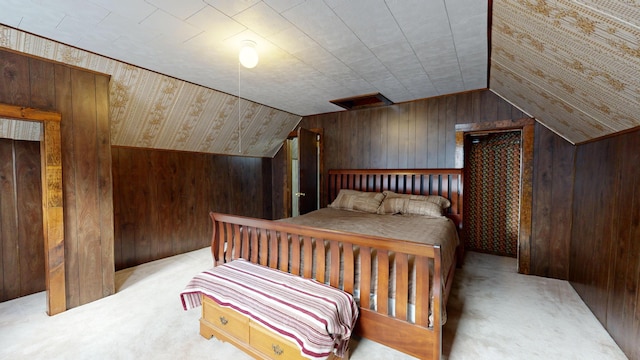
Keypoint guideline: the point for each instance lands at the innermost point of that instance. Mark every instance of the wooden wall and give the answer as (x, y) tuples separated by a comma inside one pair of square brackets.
[(552, 204), (422, 134), (82, 99), (22, 264), (417, 134), (605, 240), (162, 199)]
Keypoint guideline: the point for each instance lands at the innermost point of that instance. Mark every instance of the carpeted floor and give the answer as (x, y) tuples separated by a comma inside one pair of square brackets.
[(494, 313)]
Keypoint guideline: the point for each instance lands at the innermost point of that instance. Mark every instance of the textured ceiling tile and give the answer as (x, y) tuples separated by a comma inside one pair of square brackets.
[(134, 10), (130, 29), (80, 9), (422, 21), (358, 17), (40, 19), (97, 40), (11, 12), (353, 53), (169, 28), (217, 25), (262, 19), (398, 57), (474, 74), (231, 7), (319, 22), (180, 9), (294, 41), (283, 5)]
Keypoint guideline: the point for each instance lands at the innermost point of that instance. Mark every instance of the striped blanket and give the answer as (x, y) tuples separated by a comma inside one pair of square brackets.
[(317, 317)]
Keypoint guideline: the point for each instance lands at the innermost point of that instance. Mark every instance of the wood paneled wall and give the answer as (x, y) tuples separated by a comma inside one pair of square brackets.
[(82, 98), (22, 262), (417, 134), (422, 134), (552, 204), (605, 240), (162, 199)]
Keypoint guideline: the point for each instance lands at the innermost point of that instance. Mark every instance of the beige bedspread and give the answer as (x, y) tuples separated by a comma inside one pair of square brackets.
[(416, 228)]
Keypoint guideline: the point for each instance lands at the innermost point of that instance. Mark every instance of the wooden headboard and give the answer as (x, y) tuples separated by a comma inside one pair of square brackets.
[(444, 182)]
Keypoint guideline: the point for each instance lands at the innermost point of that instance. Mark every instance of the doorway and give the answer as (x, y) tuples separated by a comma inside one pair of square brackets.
[(493, 175), (304, 172), (52, 206), (465, 133)]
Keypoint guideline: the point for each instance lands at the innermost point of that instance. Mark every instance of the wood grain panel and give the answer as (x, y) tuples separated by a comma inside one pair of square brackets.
[(29, 200), (163, 199), (562, 202), (42, 84), (80, 97), (88, 208), (605, 251), (14, 86), (105, 187), (623, 315), (8, 224), (542, 207), (414, 134), (21, 251)]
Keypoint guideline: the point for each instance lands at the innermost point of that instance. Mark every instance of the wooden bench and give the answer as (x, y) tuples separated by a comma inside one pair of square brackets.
[(270, 314)]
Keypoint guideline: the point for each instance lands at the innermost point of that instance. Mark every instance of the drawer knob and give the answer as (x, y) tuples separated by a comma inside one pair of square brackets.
[(277, 349), (223, 320)]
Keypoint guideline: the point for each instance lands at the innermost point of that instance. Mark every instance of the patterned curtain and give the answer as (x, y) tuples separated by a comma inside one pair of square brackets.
[(493, 194)]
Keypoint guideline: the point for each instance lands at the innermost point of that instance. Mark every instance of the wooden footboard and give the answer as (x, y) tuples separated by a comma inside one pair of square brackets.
[(331, 256)]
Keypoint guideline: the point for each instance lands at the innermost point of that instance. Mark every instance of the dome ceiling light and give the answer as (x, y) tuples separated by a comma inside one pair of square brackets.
[(248, 54)]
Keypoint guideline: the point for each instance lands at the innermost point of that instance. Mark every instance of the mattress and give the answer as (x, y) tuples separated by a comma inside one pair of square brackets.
[(415, 228)]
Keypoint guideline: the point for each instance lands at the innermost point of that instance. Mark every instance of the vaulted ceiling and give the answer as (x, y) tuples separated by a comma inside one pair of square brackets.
[(175, 78)]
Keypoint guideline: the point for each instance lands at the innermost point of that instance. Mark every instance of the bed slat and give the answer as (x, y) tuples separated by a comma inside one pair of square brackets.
[(295, 255), (320, 260), (422, 289), (365, 276), (334, 277), (263, 248), (402, 286), (283, 258), (349, 269), (382, 290), (308, 254)]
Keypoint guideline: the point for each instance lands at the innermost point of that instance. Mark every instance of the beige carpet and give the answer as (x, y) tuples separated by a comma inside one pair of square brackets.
[(494, 313)]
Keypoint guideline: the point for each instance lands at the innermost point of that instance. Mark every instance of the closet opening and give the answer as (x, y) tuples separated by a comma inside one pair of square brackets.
[(497, 158)]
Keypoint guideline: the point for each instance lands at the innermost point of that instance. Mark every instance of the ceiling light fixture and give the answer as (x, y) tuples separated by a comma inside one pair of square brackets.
[(248, 54)]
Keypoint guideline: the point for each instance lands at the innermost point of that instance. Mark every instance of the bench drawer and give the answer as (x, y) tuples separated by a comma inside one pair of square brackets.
[(227, 320), (272, 345)]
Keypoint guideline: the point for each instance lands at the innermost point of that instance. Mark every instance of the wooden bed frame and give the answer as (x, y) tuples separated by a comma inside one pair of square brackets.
[(288, 247)]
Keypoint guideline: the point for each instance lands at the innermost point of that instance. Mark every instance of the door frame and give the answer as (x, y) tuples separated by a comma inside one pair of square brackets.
[(52, 200), (526, 126), (286, 193)]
